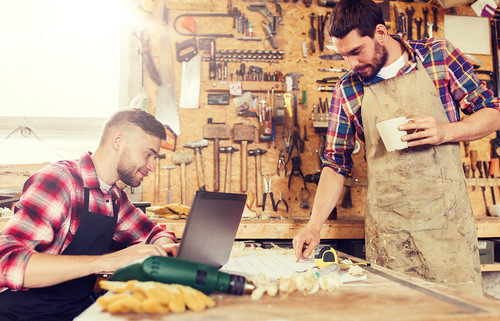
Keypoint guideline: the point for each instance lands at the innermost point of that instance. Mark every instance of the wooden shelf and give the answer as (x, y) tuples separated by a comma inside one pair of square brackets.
[(493, 267), (341, 228), (253, 86)]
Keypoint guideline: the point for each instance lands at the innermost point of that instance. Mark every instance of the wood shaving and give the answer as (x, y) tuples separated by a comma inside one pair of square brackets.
[(307, 282), (151, 298)]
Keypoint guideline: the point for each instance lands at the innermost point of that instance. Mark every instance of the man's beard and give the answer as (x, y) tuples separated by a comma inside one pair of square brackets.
[(127, 171), (379, 60)]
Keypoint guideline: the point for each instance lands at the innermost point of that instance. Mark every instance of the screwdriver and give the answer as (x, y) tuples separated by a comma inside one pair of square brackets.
[(483, 188), (493, 165), (466, 172), (473, 163), (490, 172)]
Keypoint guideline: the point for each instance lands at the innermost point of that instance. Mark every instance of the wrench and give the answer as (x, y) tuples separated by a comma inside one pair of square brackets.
[(425, 12), (435, 13), (409, 13), (418, 23)]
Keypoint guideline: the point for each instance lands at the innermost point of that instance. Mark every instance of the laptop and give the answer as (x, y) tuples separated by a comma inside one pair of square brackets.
[(211, 227)]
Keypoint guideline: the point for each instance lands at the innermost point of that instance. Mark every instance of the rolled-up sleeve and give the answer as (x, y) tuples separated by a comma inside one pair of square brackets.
[(340, 137)]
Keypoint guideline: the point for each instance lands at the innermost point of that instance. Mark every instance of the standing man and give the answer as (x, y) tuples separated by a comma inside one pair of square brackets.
[(418, 216), (69, 213)]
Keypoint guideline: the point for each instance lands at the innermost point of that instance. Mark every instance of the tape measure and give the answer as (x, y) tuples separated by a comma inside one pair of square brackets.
[(325, 256)]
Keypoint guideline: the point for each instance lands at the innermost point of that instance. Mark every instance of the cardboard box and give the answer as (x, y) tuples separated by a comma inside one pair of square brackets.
[(486, 251), (454, 3)]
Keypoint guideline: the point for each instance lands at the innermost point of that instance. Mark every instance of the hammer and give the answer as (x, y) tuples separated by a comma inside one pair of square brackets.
[(197, 145), (216, 131), (169, 191), (181, 159), (159, 157), (243, 134), (229, 150), (258, 172)]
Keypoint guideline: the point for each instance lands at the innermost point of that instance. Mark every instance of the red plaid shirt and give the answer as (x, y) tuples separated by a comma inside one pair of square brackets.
[(46, 217)]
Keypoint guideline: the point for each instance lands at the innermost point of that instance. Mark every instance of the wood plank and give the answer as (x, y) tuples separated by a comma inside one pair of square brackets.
[(487, 227), (384, 295), (342, 228), (493, 267)]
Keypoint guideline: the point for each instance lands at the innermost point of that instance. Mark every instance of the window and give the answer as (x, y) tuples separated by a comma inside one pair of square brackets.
[(64, 72)]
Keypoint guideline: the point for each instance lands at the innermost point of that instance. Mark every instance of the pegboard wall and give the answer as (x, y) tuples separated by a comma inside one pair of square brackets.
[(292, 55)]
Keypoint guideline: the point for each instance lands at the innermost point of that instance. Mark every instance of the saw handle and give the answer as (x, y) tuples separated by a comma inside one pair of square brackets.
[(171, 141)]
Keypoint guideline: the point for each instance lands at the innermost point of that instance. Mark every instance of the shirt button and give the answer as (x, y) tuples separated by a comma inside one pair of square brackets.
[(107, 201)]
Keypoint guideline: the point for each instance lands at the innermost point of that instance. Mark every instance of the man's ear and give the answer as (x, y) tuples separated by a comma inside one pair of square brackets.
[(380, 32), (117, 140)]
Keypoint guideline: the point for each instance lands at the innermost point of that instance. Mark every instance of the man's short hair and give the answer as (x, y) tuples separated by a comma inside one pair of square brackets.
[(348, 15), (138, 117)]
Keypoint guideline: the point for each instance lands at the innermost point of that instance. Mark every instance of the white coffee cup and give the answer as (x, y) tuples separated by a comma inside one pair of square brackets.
[(391, 135)]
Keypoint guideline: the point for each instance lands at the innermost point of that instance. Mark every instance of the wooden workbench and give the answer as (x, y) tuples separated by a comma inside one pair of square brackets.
[(341, 228), (384, 295)]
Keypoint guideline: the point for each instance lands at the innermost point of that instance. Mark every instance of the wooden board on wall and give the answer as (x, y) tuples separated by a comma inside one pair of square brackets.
[(292, 31)]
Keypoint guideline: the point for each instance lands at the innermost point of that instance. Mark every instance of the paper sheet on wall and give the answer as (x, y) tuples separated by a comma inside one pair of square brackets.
[(473, 39), (275, 266)]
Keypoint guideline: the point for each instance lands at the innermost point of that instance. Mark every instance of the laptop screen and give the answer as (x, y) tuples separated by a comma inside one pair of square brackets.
[(211, 227)]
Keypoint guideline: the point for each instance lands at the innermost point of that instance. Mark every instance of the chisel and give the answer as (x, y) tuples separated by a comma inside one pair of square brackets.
[(483, 188), (493, 165), (473, 162), (490, 172)]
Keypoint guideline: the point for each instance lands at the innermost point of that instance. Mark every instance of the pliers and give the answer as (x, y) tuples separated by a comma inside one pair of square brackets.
[(267, 190), (282, 199)]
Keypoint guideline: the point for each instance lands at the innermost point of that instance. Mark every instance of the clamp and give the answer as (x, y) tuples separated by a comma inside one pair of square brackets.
[(296, 170), (281, 163), (288, 148), (267, 190)]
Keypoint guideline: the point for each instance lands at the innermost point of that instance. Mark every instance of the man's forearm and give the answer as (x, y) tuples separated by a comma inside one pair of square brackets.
[(330, 187), (48, 269), (476, 126)]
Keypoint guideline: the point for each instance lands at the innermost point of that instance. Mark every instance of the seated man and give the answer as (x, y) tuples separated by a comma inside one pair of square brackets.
[(67, 218)]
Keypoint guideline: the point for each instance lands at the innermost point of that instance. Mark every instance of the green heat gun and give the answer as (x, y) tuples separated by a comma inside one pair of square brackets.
[(205, 278)]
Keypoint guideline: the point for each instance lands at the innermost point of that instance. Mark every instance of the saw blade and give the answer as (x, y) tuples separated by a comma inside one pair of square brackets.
[(166, 103)]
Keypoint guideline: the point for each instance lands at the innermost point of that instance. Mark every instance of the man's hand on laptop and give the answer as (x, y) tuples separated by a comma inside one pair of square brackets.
[(168, 245)]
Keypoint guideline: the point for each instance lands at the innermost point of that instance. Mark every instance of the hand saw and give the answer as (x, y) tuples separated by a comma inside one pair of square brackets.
[(166, 103)]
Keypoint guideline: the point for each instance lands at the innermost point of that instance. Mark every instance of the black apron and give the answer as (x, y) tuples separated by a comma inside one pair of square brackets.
[(66, 300)]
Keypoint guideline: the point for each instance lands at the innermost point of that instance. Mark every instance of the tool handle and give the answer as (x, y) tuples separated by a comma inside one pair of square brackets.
[(199, 169), (227, 182), (258, 179), (244, 166), (183, 182), (216, 165), (473, 159), (466, 168), (480, 169), (486, 169), (493, 165)]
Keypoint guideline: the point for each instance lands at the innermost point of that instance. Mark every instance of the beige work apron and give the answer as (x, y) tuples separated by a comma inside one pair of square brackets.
[(418, 215)]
